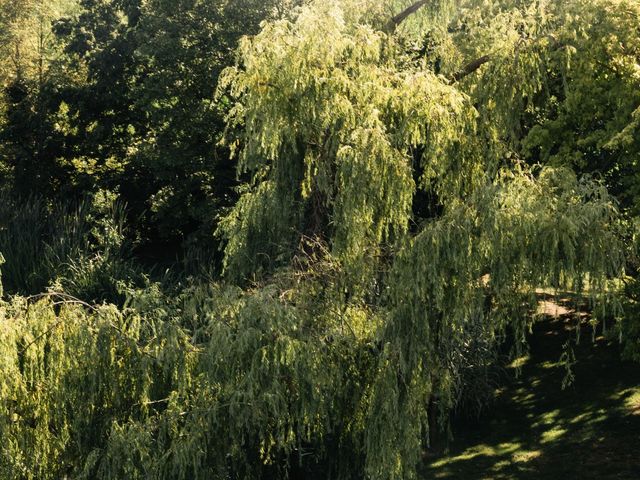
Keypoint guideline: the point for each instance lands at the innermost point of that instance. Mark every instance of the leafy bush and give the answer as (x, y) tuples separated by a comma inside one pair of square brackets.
[(255, 388)]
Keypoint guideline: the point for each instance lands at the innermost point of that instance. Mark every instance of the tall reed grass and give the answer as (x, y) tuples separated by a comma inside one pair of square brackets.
[(79, 246)]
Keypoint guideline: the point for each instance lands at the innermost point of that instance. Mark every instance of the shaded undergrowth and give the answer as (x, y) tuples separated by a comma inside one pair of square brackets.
[(538, 430)]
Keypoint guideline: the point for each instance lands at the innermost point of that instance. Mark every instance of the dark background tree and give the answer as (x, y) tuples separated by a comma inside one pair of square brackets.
[(129, 106)]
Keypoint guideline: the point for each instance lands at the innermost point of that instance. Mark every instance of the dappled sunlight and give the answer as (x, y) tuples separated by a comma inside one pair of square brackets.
[(550, 365), (499, 450), (552, 435), (548, 418), (632, 401), (519, 362), (524, 456), (319, 239), (536, 430)]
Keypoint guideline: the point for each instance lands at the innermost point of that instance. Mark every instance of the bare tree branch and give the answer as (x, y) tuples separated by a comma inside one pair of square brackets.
[(474, 65), (470, 67), (402, 16)]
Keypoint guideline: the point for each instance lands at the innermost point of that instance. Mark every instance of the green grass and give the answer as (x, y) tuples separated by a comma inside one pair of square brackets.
[(537, 430)]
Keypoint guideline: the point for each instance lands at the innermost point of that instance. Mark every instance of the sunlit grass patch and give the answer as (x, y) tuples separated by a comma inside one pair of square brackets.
[(519, 362), (483, 450), (587, 431), (633, 402), (525, 456), (552, 435), (548, 365), (582, 418), (548, 418)]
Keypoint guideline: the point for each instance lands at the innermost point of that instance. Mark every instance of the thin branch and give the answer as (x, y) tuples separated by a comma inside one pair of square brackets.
[(471, 67), (42, 335), (402, 16), (68, 299), (474, 65)]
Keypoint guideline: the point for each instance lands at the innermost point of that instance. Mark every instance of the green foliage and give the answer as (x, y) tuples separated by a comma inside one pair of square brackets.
[(105, 394), (56, 397), (29, 75), (329, 129), (589, 118), (472, 273), (627, 328), (390, 230), (26, 48), (350, 133), (121, 97), (79, 247)]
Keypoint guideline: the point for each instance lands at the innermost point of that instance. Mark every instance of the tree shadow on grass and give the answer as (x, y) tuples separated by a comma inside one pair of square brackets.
[(537, 430)]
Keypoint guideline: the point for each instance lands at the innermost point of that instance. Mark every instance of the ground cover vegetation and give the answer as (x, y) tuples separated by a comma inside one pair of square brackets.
[(535, 427), (289, 239)]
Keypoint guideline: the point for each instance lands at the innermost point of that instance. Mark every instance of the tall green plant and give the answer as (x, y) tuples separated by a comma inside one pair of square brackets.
[(79, 246)]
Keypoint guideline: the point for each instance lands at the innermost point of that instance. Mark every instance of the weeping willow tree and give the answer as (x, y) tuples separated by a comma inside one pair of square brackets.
[(389, 238), (403, 156)]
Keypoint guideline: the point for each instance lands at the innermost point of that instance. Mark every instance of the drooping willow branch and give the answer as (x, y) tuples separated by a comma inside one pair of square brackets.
[(473, 65), (66, 299)]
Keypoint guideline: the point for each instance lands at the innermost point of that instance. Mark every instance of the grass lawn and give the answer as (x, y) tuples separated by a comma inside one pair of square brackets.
[(537, 430)]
